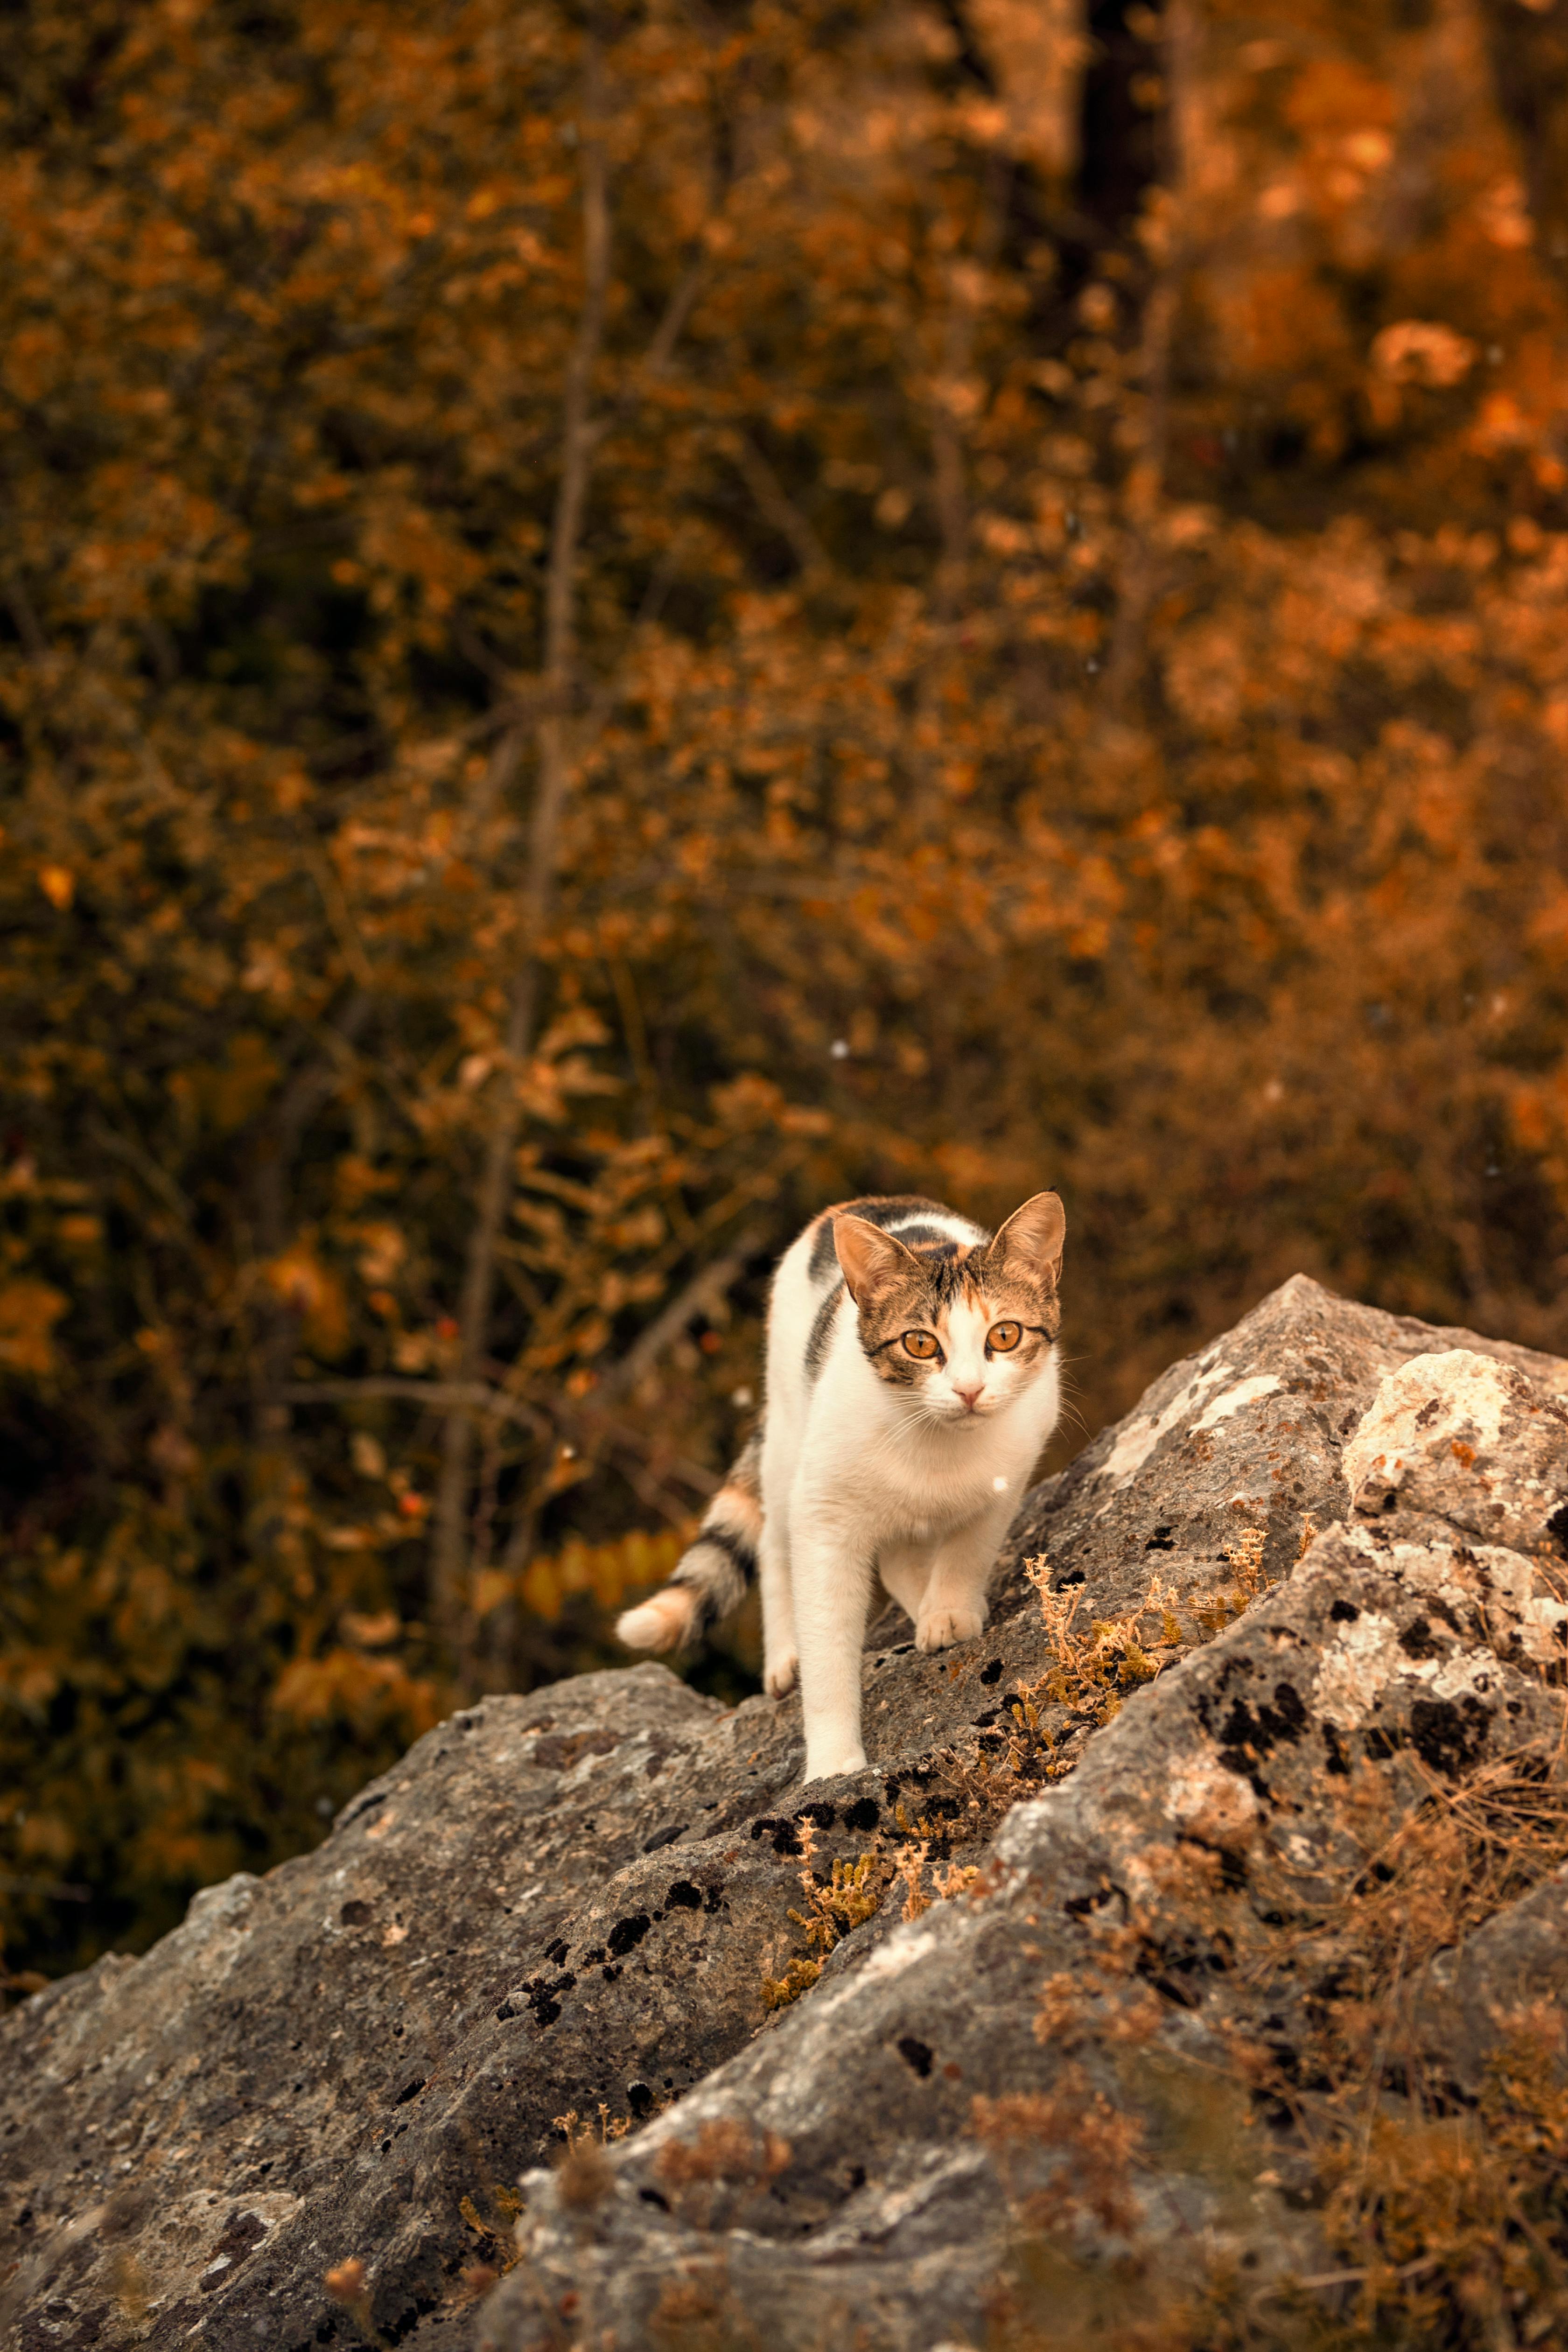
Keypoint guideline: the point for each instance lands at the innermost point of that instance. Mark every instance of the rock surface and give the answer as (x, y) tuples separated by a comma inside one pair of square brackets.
[(582, 1898)]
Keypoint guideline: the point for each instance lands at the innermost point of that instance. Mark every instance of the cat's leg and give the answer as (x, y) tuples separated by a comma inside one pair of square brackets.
[(781, 1665), (781, 1451), (830, 1571), (904, 1570), (953, 1606)]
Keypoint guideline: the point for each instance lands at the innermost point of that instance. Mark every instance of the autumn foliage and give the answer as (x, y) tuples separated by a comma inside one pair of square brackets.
[(615, 623)]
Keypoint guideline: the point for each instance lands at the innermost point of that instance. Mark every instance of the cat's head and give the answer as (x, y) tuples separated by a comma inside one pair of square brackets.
[(961, 1331)]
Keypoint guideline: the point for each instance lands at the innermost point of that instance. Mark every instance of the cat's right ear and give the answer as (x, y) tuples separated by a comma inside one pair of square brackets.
[(867, 1257)]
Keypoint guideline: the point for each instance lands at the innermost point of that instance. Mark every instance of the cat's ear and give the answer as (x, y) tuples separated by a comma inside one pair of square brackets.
[(867, 1257), (1032, 1238)]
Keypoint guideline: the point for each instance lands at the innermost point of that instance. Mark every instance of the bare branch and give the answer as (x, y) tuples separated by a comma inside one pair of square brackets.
[(702, 1291), (578, 439), (466, 1397), (775, 504)]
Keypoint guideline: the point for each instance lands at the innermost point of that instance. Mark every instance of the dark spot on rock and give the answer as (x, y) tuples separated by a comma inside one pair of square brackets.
[(1335, 1759), (856, 2178), (639, 2098), (595, 1954), (556, 1952), (786, 1839), (1161, 1541), (611, 1972), (664, 1837), (354, 1915), (1349, 1422), (863, 1814), (545, 2012), (684, 1897), (992, 1672), (241, 2233), (1418, 1640), (409, 2091), (626, 1933), (1557, 1525), (655, 2196), (1344, 1613), (1073, 1576), (1428, 1413), (1447, 1734), (915, 2053), (822, 1816), (505, 2010), (1263, 1727)]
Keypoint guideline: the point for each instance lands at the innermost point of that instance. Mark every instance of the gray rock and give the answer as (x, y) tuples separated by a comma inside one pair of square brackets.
[(575, 1899)]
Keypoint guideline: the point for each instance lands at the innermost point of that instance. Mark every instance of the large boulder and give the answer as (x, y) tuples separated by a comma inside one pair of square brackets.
[(591, 1994)]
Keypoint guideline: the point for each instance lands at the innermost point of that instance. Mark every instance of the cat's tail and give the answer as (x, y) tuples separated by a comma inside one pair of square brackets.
[(713, 1575)]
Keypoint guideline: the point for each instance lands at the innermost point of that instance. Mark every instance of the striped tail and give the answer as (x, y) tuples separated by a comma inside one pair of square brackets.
[(712, 1577)]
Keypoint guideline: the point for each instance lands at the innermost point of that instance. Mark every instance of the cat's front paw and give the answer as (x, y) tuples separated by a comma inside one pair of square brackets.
[(943, 1627), (779, 1677), (831, 1763)]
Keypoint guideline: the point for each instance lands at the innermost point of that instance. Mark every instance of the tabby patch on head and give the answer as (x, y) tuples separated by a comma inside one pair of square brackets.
[(963, 1329)]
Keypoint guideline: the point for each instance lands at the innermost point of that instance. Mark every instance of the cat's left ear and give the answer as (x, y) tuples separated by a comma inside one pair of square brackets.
[(1032, 1238)]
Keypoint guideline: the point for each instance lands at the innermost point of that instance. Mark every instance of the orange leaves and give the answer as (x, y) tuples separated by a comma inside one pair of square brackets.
[(370, 1694), (608, 1572), (28, 1313), (299, 1279)]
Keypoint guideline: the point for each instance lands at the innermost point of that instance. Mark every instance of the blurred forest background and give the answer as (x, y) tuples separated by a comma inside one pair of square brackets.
[(618, 621)]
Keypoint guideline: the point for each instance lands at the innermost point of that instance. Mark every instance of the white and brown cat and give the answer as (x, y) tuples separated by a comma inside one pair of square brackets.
[(912, 1384)]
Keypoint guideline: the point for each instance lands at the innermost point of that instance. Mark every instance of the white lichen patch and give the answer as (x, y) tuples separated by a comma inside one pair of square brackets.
[(1141, 1436), (1424, 1407), (1471, 1670), (1261, 1384), (1357, 1669), (1540, 1618), (1205, 1802)]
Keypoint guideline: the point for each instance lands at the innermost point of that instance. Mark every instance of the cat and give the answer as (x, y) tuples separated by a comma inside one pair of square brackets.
[(911, 1385)]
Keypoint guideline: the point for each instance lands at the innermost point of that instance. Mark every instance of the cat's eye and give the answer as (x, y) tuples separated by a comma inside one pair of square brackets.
[(921, 1344), (1003, 1337)]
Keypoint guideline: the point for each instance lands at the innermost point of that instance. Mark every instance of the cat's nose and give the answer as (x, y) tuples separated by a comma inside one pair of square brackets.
[(971, 1396)]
